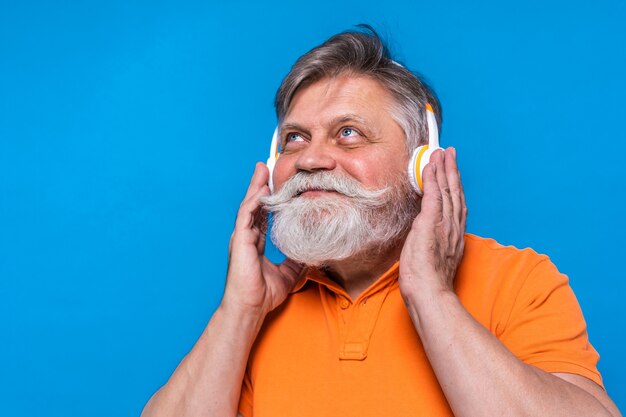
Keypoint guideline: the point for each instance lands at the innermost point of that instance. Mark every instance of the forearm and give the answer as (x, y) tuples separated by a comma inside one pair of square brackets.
[(479, 375), (208, 380)]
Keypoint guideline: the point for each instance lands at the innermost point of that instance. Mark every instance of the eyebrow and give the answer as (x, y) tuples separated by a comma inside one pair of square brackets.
[(348, 117)]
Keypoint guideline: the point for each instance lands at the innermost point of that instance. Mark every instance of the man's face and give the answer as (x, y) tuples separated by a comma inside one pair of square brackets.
[(341, 183), (342, 125)]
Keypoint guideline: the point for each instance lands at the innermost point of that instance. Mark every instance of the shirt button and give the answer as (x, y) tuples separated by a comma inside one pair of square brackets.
[(344, 303)]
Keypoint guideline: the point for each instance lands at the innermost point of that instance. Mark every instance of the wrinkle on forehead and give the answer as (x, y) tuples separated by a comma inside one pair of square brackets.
[(344, 94)]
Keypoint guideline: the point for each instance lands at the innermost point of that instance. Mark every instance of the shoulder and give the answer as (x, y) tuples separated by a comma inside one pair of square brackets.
[(480, 250), (487, 260), (492, 276)]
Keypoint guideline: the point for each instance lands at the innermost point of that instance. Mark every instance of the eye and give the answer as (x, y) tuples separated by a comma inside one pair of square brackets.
[(293, 137), (347, 131), (350, 136)]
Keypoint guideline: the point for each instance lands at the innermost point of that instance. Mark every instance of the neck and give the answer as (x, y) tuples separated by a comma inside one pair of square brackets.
[(357, 273)]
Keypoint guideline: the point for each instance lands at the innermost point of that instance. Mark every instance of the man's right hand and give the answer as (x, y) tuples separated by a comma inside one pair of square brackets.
[(254, 284), (208, 380)]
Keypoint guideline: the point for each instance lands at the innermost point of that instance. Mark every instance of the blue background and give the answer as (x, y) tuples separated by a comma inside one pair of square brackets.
[(129, 131)]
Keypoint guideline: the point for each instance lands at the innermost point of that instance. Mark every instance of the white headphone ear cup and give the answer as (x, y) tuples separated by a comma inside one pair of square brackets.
[(270, 167), (271, 160), (270, 183), (416, 166)]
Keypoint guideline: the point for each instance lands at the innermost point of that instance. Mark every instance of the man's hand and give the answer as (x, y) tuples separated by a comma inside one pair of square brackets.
[(434, 246), (254, 284), (208, 380), (455, 343)]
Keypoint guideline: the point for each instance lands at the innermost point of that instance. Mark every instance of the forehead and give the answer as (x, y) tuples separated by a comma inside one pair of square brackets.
[(324, 100)]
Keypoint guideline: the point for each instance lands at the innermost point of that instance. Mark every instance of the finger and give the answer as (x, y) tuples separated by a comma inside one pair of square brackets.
[(250, 202), (248, 211), (260, 223), (259, 178), (454, 182), (431, 201), (442, 182), (464, 211), (463, 203), (285, 274), (291, 269)]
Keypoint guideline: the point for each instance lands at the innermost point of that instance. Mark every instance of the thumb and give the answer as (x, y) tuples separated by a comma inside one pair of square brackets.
[(291, 270)]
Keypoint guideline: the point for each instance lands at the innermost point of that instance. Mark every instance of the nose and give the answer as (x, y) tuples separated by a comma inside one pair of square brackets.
[(316, 156)]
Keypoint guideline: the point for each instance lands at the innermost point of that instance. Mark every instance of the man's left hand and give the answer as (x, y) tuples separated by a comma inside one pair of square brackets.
[(434, 247)]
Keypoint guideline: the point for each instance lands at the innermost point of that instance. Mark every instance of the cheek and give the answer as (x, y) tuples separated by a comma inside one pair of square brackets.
[(361, 169), (376, 172), (282, 171)]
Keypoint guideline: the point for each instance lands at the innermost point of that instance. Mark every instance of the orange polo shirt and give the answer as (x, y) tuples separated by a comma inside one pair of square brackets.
[(324, 354)]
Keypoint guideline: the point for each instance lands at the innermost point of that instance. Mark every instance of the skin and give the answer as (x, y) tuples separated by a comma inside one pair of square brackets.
[(208, 380), (370, 148), (428, 263)]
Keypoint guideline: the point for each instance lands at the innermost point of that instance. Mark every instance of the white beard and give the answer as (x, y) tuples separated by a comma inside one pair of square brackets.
[(315, 231)]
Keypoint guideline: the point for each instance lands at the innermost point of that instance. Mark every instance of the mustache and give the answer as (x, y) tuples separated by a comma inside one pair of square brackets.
[(324, 181)]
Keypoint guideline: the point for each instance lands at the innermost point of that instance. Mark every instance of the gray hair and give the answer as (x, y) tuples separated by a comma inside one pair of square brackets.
[(365, 53)]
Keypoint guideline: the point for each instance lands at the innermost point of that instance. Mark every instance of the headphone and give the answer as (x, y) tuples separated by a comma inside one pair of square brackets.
[(418, 161), (422, 154)]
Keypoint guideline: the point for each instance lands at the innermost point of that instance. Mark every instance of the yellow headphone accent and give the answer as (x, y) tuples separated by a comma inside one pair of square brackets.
[(416, 166), (422, 154)]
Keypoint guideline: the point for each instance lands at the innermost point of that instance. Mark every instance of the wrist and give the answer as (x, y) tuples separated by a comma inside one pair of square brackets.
[(428, 296), (240, 315), (423, 289), (430, 304)]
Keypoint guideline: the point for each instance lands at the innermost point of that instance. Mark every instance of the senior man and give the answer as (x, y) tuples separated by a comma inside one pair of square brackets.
[(384, 306)]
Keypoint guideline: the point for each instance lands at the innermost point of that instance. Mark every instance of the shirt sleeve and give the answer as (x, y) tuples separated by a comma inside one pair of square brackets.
[(546, 327), (245, 399)]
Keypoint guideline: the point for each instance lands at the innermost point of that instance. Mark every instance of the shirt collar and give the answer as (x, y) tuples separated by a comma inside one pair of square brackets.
[(318, 275)]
